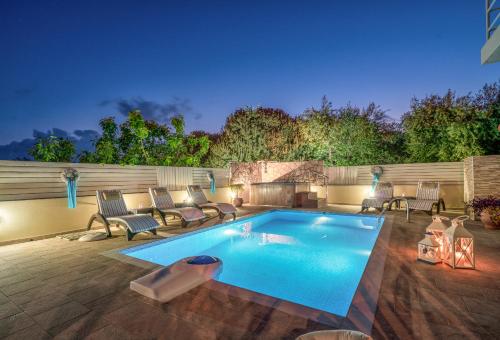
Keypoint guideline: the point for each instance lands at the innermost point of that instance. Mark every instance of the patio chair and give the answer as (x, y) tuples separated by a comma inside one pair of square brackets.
[(427, 198), (112, 210), (165, 206), (383, 194), (201, 201)]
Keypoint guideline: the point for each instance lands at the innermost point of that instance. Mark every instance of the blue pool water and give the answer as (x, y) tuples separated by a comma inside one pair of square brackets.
[(312, 259)]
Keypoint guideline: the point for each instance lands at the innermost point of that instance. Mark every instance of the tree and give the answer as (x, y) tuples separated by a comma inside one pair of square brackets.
[(315, 128), (348, 135), (53, 149), (363, 136), (451, 128), (106, 147), (252, 134), (146, 142)]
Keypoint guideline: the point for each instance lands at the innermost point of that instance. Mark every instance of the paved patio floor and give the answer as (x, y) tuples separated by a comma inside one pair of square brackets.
[(62, 289)]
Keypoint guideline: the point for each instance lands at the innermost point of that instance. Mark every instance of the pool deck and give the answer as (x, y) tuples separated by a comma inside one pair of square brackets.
[(62, 289)]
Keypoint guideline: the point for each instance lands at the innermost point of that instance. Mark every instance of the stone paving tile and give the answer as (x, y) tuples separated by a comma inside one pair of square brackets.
[(110, 332), (3, 299), (32, 294), (79, 327), (34, 332), (20, 287), (481, 306), (60, 314), (113, 301), (44, 303), (12, 279), (15, 323), (7, 309), (145, 321)]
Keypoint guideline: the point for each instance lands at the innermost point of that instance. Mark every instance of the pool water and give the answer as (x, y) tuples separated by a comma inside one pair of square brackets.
[(312, 259)]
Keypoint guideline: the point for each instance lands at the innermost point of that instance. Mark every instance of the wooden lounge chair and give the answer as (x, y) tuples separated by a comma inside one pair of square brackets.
[(165, 206), (201, 201), (112, 210), (383, 194), (427, 198)]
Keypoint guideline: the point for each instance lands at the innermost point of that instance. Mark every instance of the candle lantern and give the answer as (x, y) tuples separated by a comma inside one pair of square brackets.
[(429, 249), (458, 245), (437, 228)]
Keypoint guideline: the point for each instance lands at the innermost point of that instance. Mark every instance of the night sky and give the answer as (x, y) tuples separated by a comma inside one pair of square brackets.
[(66, 64)]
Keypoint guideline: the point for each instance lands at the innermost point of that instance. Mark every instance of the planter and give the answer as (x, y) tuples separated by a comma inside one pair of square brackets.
[(238, 202), (488, 223)]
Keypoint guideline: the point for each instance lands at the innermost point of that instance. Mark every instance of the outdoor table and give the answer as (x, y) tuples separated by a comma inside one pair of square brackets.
[(145, 210), (398, 200)]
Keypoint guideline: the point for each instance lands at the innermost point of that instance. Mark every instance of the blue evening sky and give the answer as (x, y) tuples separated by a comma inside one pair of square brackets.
[(66, 64)]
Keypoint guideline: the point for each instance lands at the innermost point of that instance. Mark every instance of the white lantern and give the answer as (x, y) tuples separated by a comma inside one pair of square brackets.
[(437, 228), (458, 245), (429, 249)]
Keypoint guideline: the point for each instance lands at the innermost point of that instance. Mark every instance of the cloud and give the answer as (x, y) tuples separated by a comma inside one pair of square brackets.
[(83, 140), (152, 110)]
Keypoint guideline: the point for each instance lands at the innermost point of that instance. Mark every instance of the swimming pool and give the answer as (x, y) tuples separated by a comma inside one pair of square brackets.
[(309, 258)]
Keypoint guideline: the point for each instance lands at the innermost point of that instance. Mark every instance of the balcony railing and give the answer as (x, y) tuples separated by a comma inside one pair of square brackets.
[(492, 17)]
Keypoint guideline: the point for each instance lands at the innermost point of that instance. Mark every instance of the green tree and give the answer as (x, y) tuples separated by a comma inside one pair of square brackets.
[(53, 149), (451, 128), (145, 142), (315, 128), (348, 135), (252, 134), (363, 136), (106, 147)]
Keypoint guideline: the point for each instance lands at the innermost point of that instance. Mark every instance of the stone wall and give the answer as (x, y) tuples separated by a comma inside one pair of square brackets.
[(263, 172), (481, 176)]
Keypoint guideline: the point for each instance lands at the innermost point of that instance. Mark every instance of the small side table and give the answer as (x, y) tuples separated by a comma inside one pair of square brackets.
[(398, 200), (146, 210)]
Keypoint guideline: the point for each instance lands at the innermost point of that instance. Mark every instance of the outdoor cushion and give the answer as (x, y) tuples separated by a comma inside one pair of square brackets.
[(89, 237)]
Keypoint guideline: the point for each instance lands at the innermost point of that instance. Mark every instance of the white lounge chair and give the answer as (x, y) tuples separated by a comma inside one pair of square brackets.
[(427, 198), (164, 205), (201, 201), (113, 210), (383, 194)]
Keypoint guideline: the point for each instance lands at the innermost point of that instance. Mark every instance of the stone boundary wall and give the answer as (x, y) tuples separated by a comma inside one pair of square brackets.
[(482, 176)]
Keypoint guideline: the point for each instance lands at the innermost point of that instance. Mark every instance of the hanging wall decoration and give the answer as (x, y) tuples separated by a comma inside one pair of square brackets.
[(211, 179), (71, 176), (376, 172)]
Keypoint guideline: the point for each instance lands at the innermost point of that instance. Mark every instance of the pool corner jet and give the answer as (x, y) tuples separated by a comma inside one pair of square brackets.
[(167, 283)]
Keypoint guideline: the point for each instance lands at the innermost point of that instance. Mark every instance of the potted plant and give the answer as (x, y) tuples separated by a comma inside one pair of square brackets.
[(488, 209), (235, 192)]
